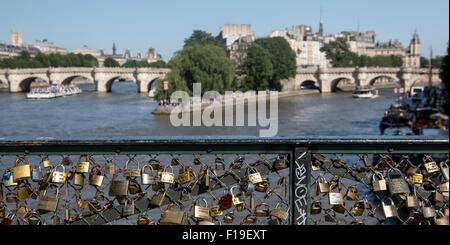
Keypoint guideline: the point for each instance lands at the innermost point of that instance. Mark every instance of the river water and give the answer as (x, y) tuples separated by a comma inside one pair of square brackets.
[(125, 113)]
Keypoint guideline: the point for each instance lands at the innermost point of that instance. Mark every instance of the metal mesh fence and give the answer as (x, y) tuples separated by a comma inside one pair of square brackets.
[(234, 189), (372, 189)]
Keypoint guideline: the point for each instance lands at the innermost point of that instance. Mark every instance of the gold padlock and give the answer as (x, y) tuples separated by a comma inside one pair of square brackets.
[(416, 178), (96, 176), (57, 176), (316, 207), (79, 179), (428, 211), (323, 185), (23, 192), (110, 167), (380, 183), (132, 172), (21, 172), (352, 193), (83, 167), (444, 187), (253, 175), (280, 213), (335, 198), (201, 212), (358, 208), (158, 198), (262, 212), (184, 176), (118, 187), (46, 162), (167, 177), (430, 166), (172, 217)]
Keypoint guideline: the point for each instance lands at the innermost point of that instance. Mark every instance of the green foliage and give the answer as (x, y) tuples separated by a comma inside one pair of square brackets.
[(200, 37), (141, 64), (444, 69), (46, 60), (282, 57), (200, 63), (258, 68), (340, 56), (435, 63), (110, 62)]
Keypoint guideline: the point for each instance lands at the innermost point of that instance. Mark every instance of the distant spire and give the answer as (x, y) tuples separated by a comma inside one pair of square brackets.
[(114, 49), (415, 37), (320, 33)]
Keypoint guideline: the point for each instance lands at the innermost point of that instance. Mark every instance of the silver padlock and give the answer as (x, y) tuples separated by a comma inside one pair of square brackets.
[(36, 174)]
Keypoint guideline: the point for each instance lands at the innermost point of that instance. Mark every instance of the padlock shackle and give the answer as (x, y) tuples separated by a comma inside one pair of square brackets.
[(21, 159), (64, 169), (98, 169), (288, 208), (145, 166), (133, 160), (86, 158), (166, 168), (204, 200)]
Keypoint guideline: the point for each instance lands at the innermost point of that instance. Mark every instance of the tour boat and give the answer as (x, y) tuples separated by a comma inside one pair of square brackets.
[(53, 91), (362, 92)]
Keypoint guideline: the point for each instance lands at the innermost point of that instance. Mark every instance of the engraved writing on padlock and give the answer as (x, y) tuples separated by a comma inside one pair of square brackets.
[(58, 177), (280, 213), (82, 167), (254, 176), (118, 187), (397, 186), (132, 172), (167, 177), (146, 178)]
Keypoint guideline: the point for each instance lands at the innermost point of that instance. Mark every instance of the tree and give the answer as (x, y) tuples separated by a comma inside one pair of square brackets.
[(200, 63), (258, 68), (201, 38), (282, 57), (110, 62), (444, 69)]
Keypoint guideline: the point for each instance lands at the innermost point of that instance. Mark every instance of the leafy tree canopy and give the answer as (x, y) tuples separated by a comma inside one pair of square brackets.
[(258, 68)]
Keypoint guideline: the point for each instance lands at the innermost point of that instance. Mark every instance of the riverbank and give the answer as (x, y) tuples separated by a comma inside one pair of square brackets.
[(167, 109)]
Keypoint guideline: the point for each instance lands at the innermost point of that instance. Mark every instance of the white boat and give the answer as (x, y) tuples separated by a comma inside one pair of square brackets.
[(53, 91), (363, 92)]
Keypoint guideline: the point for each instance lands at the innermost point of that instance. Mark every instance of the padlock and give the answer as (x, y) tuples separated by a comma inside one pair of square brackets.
[(262, 212), (215, 210), (335, 198), (21, 208), (128, 208), (2, 209), (96, 176), (335, 182), (48, 203), (249, 219), (441, 220), (83, 167), (206, 222), (316, 207), (143, 220), (110, 167), (172, 217), (197, 161), (416, 178), (428, 211), (339, 208), (323, 186), (253, 175), (241, 207), (58, 177), (46, 162), (444, 187), (261, 186), (185, 195), (397, 186), (158, 198), (33, 218), (78, 201), (430, 166), (280, 213), (184, 176), (79, 179), (247, 187), (358, 208), (175, 161), (146, 178), (237, 199), (118, 187), (389, 210), (201, 212), (237, 163), (99, 196), (352, 193), (8, 219), (167, 177), (21, 172), (36, 174), (24, 191), (66, 161), (445, 170), (315, 164), (331, 218), (412, 201), (8, 179), (280, 163), (132, 172), (219, 161), (134, 187), (438, 197), (228, 218), (226, 201)]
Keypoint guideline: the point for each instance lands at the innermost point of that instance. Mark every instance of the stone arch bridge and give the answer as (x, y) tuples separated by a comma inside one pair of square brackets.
[(328, 79), (19, 80)]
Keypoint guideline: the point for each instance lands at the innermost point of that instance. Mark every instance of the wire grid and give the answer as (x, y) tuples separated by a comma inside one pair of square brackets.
[(354, 165), (93, 209)]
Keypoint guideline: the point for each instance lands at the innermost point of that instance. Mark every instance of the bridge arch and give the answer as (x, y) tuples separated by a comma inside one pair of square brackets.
[(385, 81), (68, 80), (309, 84), (343, 83), (111, 80), (25, 84)]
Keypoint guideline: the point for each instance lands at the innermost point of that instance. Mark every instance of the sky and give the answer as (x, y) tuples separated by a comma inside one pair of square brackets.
[(138, 25)]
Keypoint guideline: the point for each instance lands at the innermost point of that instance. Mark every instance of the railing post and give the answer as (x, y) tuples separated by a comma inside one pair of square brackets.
[(300, 186)]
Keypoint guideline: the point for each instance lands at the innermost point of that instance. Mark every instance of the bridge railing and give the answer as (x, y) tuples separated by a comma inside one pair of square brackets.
[(297, 177)]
